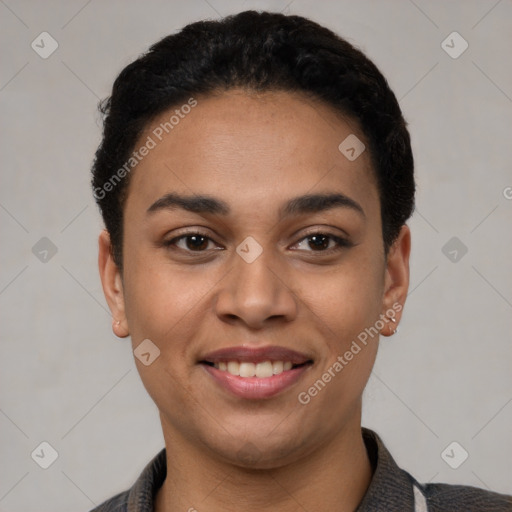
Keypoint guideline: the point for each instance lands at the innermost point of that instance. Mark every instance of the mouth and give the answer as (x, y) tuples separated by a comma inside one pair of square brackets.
[(256, 373), (263, 370)]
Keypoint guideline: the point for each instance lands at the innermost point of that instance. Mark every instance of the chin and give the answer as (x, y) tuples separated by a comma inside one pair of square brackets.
[(258, 447), (256, 455)]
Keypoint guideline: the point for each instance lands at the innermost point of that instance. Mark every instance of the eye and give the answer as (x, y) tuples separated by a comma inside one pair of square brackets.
[(191, 242), (322, 242), (316, 242)]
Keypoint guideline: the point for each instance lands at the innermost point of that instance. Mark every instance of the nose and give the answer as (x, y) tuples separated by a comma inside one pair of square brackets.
[(256, 293)]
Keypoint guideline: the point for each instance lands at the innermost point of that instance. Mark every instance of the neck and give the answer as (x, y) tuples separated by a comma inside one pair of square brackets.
[(334, 477)]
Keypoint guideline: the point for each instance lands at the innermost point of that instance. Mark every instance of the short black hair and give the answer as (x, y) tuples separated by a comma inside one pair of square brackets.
[(258, 51)]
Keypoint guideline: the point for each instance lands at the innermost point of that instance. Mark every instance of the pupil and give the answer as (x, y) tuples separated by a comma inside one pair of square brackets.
[(319, 238), (194, 244)]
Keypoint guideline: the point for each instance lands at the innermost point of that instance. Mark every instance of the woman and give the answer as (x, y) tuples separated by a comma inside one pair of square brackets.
[(255, 178)]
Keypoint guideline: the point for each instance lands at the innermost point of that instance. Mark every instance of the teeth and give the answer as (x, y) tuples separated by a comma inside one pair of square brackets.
[(261, 370), (277, 367), (234, 367), (247, 369), (264, 370)]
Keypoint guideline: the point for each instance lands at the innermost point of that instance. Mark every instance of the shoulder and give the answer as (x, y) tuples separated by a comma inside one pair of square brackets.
[(446, 497), (140, 496), (393, 488), (118, 503)]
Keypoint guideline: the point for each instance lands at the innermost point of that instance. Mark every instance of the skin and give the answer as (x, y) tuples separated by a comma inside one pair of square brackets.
[(255, 152)]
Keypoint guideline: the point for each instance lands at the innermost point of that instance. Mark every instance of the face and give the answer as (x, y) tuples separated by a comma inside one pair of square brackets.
[(252, 244)]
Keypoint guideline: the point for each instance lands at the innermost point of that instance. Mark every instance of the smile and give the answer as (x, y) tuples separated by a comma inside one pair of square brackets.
[(261, 370), (255, 373)]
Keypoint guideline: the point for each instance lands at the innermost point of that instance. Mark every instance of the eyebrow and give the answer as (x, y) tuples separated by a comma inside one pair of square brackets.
[(204, 204)]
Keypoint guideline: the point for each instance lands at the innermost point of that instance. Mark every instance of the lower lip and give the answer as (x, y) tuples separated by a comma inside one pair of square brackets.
[(253, 387)]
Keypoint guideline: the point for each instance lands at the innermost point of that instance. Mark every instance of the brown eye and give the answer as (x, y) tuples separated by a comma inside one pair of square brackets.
[(196, 242), (191, 242), (319, 242), (323, 242)]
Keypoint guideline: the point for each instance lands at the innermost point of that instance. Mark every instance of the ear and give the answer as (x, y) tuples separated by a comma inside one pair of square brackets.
[(396, 280), (112, 285)]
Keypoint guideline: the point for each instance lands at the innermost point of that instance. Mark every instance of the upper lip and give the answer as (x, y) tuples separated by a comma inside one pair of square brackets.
[(256, 355)]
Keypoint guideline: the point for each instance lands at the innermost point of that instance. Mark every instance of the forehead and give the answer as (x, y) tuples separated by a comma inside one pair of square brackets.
[(257, 146)]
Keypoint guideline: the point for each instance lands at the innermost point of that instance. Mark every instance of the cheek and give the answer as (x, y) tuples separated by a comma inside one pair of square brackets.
[(346, 307), (346, 300), (163, 305), (170, 307), (158, 297)]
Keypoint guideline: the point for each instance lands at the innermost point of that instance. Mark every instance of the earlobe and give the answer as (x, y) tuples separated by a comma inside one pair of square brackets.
[(396, 280), (112, 284)]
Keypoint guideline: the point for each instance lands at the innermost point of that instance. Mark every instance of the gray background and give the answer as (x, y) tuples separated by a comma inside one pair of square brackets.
[(67, 380)]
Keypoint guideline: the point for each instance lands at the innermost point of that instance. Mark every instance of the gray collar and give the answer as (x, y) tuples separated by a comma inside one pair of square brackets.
[(391, 488)]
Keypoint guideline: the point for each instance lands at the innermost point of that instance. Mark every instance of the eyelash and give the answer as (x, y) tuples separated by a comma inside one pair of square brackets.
[(342, 243)]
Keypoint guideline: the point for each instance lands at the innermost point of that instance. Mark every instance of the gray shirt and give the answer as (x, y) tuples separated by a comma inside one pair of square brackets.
[(391, 489)]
